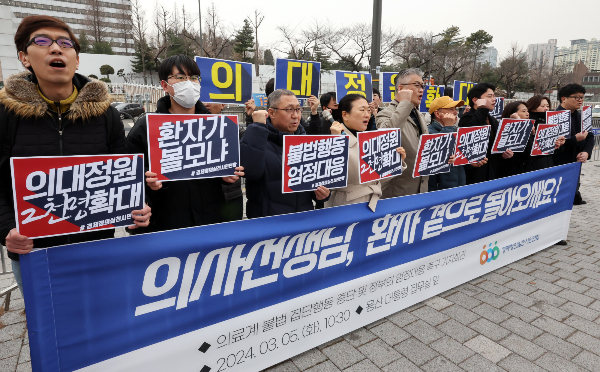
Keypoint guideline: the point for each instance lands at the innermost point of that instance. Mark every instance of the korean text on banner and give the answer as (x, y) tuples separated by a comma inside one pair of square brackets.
[(430, 93), (434, 153), (301, 77), (460, 90), (545, 138), (512, 134), (586, 118), (312, 161), (378, 156), (388, 88), (498, 108), (353, 83), (59, 195), (260, 99), (182, 147), (225, 81), (471, 144), (250, 294), (563, 119)]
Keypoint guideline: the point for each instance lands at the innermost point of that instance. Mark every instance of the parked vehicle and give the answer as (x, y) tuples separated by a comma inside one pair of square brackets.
[(128, 110), (114, 104), (596, 111)]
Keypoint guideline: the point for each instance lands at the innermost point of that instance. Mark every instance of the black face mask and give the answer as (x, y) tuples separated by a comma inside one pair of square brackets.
[(337, 115)]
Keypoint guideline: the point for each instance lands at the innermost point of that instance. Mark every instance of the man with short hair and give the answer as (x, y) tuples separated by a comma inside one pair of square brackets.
[(329, 103), (579, 147), (403, 113), (185, 203), (49, 110), (482, 101), (377, 103), (261, 155)]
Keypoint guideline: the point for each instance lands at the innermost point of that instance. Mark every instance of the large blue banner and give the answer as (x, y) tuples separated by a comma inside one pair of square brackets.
[(353, 83), (245, 295), (388, 86), (228, 82), (301, 77)]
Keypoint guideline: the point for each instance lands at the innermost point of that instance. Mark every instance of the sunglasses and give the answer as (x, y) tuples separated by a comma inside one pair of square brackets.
[(45, 41)]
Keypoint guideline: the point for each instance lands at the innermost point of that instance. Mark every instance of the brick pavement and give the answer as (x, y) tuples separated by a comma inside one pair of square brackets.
[(541, 313)]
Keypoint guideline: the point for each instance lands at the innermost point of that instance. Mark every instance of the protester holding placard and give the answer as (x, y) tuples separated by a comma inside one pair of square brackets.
[(355, 114), (444, 116), (403, 113), (579, 147), (186, 203), (537, 107), (329, 103), (516, 164), (58, 112), (482, 101), (261, 155)]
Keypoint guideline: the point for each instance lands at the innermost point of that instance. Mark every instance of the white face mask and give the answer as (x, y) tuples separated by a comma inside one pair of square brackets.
[(186, 93)]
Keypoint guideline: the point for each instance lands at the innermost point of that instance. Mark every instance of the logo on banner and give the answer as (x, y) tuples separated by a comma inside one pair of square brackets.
[(71, 194), (586, 118), (472, 144), (498, 108), (301, 77), (563, 119), (434, 153), (378, 155), (225, 81), (353, 83), (545, 139), (489, 254), (512, 134), (430, 93), (461, 88), (388, 88), (313, 161), (185, 147)]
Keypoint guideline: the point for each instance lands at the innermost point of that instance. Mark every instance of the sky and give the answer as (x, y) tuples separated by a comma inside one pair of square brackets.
[(509, 21)]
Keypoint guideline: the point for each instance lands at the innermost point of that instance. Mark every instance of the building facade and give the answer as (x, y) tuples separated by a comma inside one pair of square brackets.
[(542, 53), (582, 50), (111, 14), (489, 55)]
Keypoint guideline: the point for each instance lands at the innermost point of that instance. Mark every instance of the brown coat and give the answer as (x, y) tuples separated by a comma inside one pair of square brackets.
[(397, 115), (356, 192)]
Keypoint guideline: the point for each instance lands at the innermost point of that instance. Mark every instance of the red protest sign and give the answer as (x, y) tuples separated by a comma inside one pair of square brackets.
[(312, 161), (183, 147), (59, 195), (545, 138), (378, 157), (512, 134), (562, 118), (471, 144), (434, 153)]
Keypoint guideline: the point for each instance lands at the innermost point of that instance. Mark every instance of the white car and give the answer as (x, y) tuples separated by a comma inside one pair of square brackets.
[(596, 111)]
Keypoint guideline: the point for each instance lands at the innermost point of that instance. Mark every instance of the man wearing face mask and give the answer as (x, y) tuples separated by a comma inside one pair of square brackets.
[(181, 204)]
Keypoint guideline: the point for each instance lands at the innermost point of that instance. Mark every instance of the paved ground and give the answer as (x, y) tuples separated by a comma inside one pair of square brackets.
[(541, 313)]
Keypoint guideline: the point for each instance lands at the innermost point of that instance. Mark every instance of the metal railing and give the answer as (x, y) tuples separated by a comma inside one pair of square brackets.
[(596, 129), (5, 266)]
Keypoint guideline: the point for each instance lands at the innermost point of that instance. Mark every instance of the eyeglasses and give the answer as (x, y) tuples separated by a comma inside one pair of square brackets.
[(418, 85), (578, 98), (45, 41), (290, 110), (181, 78)]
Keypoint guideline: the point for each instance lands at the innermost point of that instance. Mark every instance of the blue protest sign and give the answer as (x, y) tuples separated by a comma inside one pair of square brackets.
[(225, 81), (353, 83), (301, 77), (434, 153), (498, 108), (313, 161), (183, 147), (388, 88), (430, 93), (188, 300), (460, 90), (260, 99)]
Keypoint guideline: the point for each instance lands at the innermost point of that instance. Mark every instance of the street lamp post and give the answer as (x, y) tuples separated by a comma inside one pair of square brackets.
[(376, 42), (200, 21)]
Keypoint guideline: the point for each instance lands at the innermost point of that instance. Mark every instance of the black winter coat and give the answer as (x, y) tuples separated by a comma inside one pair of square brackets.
[(493, 168), (181, 204), (572, 147), (261, 152), (533, 163), (90, 127)]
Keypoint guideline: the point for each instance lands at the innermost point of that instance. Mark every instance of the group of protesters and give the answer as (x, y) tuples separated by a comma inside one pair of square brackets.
[(50, 110)]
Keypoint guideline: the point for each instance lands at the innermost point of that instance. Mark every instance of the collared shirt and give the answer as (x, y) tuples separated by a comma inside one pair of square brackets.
[(65, 104)]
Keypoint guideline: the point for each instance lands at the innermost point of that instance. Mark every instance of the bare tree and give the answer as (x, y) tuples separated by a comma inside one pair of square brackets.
[(450, 55), (217, 40), (297, 44), (513, 70), (96, 20), (350, 45), (258, 20)]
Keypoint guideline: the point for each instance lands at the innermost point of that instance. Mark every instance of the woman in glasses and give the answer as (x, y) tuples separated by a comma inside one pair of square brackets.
[(355, 114)]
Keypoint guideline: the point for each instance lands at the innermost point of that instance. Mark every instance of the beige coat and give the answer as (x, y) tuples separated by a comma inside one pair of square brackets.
[(397, 115), (356, 192)]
